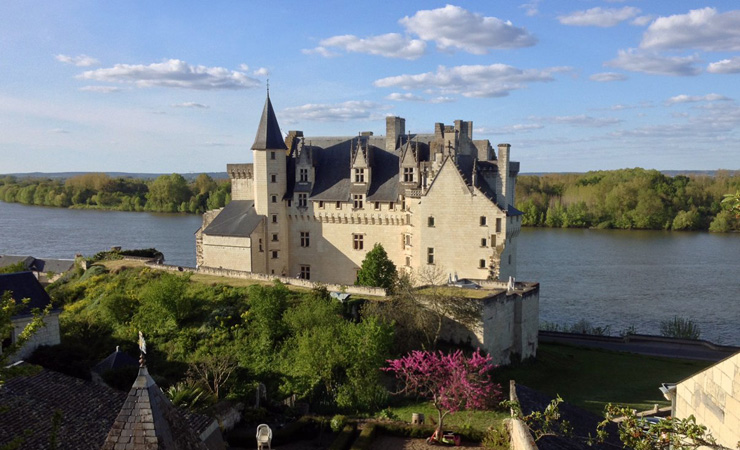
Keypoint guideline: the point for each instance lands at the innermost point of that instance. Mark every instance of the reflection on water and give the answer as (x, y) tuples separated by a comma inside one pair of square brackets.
[(608, 277)]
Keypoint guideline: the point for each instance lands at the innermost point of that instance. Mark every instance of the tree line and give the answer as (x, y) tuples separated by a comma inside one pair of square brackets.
[(629, 199), (166, 193)]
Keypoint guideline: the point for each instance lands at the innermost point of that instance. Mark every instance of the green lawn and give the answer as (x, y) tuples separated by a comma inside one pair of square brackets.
[(592, 378), (478, 420)]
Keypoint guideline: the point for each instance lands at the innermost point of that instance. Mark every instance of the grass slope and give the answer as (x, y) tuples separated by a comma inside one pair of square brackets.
[(592, 378)]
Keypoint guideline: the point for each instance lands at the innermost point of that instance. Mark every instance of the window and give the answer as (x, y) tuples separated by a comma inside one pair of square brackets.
[(260, 246), (321, 205), (493, 240), (273, 178), (408, 261), (305, 272), (274, 218), (482, 264), (272, 155), (273, 199), (358, 241), (498, 225), (339, 205), (430, 221), (509, 259), (274, 237), (357, 200), (304, 239), (430, 255), (483, 242), (483, 221), (377, 206), (408, 174), (359, 175), (274, 254), (392, 206), (302, 200), (303, 173), (407, 240)]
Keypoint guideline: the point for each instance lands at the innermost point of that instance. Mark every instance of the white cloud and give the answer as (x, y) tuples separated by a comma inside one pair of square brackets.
[(337, 112), (100, 89), (683, 98), (261, 72), (654, 64), (495, 80), (442, 100), (580, 121), (407, 97), (390, 45), (604, 77), (244, 67), (731, 65), (511, 129), (641, 21), (79, 60), (531, 8), (599, 17), (453, 27), (321, 51), (190, 105), (59, 131), (173, 73), (703, 29)]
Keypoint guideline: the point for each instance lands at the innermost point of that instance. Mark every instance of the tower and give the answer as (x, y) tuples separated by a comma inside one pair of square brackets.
[(270, 184)]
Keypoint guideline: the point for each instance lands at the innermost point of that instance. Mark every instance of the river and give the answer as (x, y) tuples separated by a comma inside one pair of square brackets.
[(607, 277)]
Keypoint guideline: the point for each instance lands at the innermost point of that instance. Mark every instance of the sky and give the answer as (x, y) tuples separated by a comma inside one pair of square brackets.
[(178, 86)]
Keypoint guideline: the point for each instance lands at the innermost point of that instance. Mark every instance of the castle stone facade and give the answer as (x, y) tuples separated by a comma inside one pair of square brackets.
[(312, 207)]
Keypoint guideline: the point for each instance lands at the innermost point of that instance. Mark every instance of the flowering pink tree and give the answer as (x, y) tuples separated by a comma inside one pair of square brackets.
[(452, 381)]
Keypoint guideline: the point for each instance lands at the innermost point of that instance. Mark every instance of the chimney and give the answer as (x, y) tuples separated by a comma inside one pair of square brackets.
[(395, 127), (503, 171)]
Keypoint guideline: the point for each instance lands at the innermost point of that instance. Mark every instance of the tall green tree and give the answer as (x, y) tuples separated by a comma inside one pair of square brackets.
[(377, 270)]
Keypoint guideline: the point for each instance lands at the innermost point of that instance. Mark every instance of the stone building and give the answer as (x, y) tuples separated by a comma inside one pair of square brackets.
[(311, 207)]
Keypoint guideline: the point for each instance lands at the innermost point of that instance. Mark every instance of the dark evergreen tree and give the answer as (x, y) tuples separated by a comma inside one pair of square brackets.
[(377, 270)]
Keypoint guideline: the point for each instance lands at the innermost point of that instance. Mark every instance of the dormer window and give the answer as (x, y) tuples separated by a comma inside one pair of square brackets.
[(408, 174), (359, 175), (303, 175)]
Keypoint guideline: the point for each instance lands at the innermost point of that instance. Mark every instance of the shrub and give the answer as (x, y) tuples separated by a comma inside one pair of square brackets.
[(678, 327), (387, 414), (338, 422), (496, 438)]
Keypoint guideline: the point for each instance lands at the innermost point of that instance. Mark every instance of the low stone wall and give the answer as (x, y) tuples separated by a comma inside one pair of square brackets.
[(229, 273), (519, 435)]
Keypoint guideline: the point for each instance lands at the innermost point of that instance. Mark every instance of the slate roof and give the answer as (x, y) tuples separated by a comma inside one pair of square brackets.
[(583, 422), (237, 219), (148, 421), (268, 135), (25, 285), (116, 360), (38, 265), (27, 404)]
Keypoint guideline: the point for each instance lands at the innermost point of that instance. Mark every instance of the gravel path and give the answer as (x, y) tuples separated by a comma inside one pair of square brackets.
[(399, 443)]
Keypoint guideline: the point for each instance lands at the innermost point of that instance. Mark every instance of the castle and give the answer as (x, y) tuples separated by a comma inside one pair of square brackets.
[(311, 207)]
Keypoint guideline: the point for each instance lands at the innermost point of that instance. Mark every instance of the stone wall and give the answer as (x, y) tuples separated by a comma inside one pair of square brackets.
[(349, 289), (713, 397), (519, 435), (46, 335)]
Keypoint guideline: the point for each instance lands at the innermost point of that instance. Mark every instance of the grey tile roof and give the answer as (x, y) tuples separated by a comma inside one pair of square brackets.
[(148, 421), (237, 219), (38, 265), (9, 260), (268, 135), (25, 285), (116, 360), (28, 402)]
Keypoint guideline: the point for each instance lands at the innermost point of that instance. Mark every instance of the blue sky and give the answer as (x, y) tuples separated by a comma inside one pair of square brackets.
[(178, 86)]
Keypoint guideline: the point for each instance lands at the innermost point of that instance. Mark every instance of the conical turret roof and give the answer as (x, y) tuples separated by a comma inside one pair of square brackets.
[(148, 421), (269, 136)]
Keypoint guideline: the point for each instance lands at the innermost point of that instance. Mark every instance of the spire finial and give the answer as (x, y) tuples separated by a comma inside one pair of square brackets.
[(142, 348), (268, 87)]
